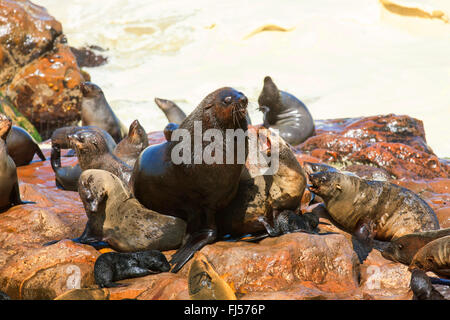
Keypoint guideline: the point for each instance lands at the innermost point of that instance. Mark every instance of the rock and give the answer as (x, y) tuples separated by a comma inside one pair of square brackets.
[(87, 57), (45, 273), (394, 143), (30, 32), (278, 263), (84, 294), (47, 90)]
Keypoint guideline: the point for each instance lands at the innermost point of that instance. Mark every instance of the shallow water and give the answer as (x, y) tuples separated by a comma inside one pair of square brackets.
[(342, 58)]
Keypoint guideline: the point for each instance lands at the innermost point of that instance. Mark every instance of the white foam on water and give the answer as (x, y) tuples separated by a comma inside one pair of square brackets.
[(342, 58)]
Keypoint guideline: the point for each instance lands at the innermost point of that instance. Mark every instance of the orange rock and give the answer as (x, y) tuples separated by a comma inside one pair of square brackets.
[(47, 272)]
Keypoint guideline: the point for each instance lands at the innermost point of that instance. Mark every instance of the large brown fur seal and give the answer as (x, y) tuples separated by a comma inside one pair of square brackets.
[(171, 110), (403, 249), (197, 191), (21, 146), (93, 153), (435, 257), (129, 149), (285, 112), (389, 211), (260, 195), (95, 111)]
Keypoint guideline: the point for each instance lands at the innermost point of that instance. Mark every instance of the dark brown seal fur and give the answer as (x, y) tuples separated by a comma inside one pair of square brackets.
[(95, 111), (422, 287), (194, 192), (391, 211), (129, 149), (285, 112), (21, 146)]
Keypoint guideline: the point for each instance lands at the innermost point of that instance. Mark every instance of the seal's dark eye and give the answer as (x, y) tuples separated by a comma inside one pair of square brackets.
[(400, 246), (227, 100)]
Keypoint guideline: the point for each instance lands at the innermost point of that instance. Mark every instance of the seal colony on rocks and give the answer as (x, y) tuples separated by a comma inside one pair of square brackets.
[(285, 112), (194, 192), (114, 266)]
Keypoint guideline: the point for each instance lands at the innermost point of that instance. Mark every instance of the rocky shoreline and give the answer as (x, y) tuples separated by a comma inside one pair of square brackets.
[(39, 70)]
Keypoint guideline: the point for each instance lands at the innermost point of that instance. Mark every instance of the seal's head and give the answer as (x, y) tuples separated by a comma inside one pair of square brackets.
[(137, 134), (400, 250), (5, 126), (327, 184), (90, 90), (269, 97), (91, 193), (226, 108), (311, 167), (423, 261), (88, 142), (420, 284), (153, 260), (164, 104)]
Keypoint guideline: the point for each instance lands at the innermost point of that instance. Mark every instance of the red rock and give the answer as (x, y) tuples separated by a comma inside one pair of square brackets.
[(47, 272), (341, 146), (28, 31)]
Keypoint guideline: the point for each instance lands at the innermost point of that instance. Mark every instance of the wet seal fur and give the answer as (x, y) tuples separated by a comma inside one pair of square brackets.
[(193, 192), (204, 283), (116, 217), (288, 221), (95, 111), (435, 257), (113, 266), (422, 287), (129, 149), (172, 111), (384, 210), (93, 153), (9, 183), (285, 112), (66, 178), (404, 249), (21, 145)]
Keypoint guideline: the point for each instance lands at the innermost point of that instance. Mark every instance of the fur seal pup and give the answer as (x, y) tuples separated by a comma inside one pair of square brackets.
[(422, 287), (258, 194), (204, 283), (195, 192), (114, 266), (116, 217), (9, 183), (403, 249), (172, 111), (95, 111), (434, 256), (21, 146), (129, 149), (387, 210), (93, 153), (288, 221), (285, 112)]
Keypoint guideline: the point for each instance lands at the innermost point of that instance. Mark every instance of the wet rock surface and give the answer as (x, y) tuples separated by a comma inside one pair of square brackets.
[(292, 266), (38, 71)]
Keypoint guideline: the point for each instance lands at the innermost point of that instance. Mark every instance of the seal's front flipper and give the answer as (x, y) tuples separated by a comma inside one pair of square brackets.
[(361, 248), (39, 153), (194, 243), (93, 242), (50, 243), (113, 285), (273, 232), (441, 281)]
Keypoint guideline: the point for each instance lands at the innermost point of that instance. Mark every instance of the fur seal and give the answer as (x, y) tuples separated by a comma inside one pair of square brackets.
[(260, 195), (403, 249), (204, 283), (21, 146), (114, 266), (386, 209), (95, 111), (285, 112), (9, 183), (194, 192), (288, 221), (434, 256), (129, 149), (115, 216), (422, 287), (171, 110), (93, 153)]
